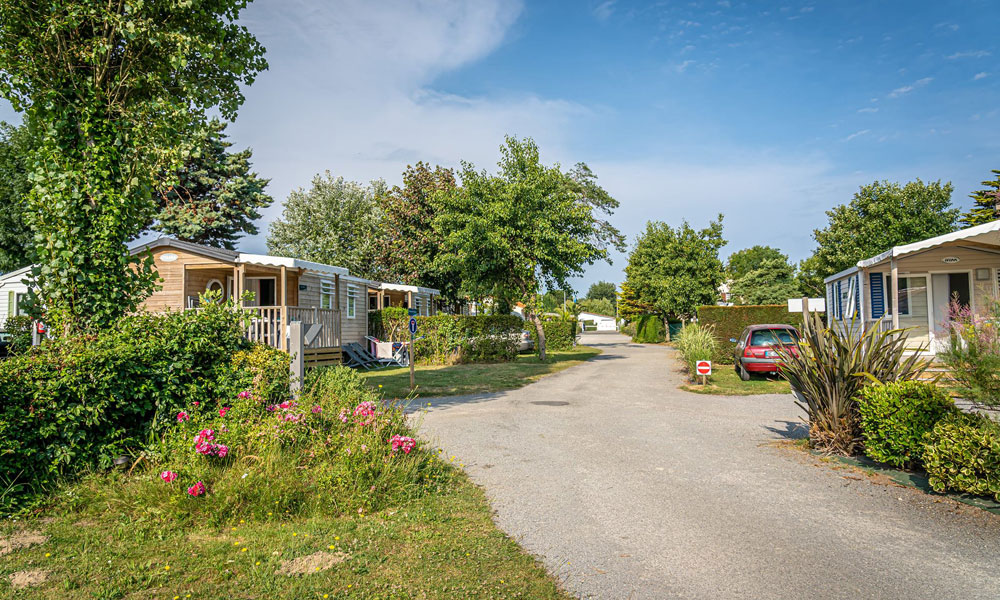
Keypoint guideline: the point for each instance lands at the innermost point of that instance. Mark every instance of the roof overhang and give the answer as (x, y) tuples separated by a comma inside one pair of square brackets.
[(210, 251), (15, 276), (841, 275), (987, 234), (291, 263), (400, 287)]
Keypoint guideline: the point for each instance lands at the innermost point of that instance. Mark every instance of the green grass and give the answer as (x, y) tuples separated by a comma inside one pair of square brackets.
[(437, 380), (437, 546), (725, 382)]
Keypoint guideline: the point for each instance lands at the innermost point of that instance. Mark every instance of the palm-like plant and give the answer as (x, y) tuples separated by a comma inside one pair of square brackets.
[(831, 367)]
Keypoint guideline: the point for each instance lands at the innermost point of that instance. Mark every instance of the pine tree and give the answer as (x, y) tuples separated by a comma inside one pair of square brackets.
[(986, 207)]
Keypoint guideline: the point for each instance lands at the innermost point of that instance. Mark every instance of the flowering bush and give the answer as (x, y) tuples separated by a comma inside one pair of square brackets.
[(973, 352)]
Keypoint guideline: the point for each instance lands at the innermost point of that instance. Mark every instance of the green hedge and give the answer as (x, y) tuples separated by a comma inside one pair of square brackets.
[(896, 416), (448, 339), (649, 329), (19, 328), (74, 404), (559, 335), (730, 321), (962, 454)]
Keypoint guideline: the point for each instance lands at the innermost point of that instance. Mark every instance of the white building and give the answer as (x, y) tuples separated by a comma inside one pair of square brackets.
[(12, 291), (603, 322)]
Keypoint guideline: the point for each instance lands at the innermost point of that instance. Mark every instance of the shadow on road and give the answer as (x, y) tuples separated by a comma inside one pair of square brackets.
[(793, 430)]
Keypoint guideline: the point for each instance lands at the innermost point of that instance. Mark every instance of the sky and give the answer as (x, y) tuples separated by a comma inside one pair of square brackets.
[(770, 113)]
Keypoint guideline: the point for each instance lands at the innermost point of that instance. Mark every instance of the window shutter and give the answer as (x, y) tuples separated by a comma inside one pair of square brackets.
[(875, 283), (857, 295), (840, 300)]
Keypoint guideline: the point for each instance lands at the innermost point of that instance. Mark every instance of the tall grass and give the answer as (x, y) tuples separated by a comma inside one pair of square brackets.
[(696, 342)]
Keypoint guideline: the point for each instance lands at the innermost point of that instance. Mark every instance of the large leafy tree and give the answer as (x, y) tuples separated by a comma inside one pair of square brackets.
[(601, 306), (411, 247), (603, 290), (113, 90), (336, 222), (987, 203), (881, 215), (215, 196), (527, 225), (630, 306), (771, 282), (673, 271), (15, 236), (743, 261)]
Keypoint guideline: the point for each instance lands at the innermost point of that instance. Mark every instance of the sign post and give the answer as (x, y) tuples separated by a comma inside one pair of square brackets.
[(413, 330), (704, 369)]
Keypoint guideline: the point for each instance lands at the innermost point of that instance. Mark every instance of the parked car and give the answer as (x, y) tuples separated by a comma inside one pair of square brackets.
[(525, 343), (4, 344), (757, 349)]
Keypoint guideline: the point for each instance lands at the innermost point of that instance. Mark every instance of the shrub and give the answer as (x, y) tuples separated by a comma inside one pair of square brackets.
[(896, 416), (448, 339), (962, 454), (559, 335), (629, 329), (649, 330), (73, 404), (695, 342), (728, 322), (831, 367), (973, 353), (19, 328)]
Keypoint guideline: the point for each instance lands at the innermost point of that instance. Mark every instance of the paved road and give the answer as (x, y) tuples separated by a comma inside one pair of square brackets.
[(627, 487)]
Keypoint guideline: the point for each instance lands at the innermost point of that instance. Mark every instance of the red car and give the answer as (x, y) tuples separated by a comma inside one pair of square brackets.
[(756, 350)]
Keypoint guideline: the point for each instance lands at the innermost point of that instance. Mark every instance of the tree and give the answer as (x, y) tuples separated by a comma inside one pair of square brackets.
[(630, 307), (673, 271), (772, 282), (743, 261), (987, 203), (881, 215), (526, 226), (215, 197), (113, 91), (336, 222), (15, 236), (411, 248), (601, 306), (603, 290)]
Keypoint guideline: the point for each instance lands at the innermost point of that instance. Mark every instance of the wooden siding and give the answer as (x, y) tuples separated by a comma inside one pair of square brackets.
[(171, 295), (354, 330)]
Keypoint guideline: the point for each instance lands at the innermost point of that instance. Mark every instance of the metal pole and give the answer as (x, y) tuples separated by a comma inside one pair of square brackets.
[(413, 383)]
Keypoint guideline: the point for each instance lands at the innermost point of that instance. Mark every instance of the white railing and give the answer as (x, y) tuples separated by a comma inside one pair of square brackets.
[(267, 325)]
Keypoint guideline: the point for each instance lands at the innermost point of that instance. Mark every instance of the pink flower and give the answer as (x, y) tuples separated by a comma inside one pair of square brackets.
[(365, 409), (168, 476), (342, 416), (285, 405), (205, 435), (400, 442), (317, 409), (197, 489), (223, 411), (182, 416), (246, 394), (196, 403), (271, 408), (221, 450)]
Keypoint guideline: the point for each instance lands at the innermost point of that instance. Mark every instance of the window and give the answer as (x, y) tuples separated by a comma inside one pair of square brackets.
[(772, 337), (372, 302), (326, 294), (419, 307), (352, 300), (14, 300)]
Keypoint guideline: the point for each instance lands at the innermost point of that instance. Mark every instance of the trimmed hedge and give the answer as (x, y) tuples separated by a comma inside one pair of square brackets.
[(649, 329), (730, 321), (449, 339), (559, 335), (896, 416), (962, 454)]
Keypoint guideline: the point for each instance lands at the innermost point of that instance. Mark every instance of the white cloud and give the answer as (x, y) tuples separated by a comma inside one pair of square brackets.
[(906, 89), (604, 10), (681, 67), (857, 134), (981, 75), (870, 109), (970, 54)]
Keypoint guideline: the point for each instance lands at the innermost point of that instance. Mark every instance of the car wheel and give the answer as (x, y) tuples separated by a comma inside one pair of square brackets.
[(744, 374)]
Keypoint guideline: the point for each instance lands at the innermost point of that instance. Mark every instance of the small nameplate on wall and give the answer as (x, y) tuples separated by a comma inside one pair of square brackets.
[(950, 260), (303, 287), (168, 257)]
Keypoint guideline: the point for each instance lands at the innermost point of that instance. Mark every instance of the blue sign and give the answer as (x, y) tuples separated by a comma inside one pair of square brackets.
[(413, 325), (411, 312)]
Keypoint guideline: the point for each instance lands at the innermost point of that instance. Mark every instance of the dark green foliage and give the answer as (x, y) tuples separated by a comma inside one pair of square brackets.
[(215, 197), (603, 290), (559, 335), (962, 454), (15, 236), (896, 416), (743, 261), (649, 329), (772, 281), (986, 201), (728, 322), (448, 339), (19, 328), (77, 402)]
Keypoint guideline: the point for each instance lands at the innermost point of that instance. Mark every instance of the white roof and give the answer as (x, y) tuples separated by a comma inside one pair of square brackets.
[(292, 263), (15, 276), (399, 287), (987, 233), (841, 275), (597, 315)]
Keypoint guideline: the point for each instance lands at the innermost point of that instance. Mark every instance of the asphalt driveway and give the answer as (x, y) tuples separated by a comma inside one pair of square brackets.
[(627, 487)]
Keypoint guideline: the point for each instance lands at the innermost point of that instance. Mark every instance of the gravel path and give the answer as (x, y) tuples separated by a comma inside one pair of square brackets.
[(626, 487)]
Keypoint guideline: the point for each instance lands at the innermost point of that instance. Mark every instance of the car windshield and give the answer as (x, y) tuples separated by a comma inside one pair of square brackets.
[(772, 337)]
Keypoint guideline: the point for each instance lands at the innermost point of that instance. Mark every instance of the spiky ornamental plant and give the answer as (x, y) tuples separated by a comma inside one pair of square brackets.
[(830, 369)]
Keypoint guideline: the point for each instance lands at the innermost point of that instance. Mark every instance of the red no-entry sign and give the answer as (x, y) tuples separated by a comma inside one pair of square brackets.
[(703, 367)]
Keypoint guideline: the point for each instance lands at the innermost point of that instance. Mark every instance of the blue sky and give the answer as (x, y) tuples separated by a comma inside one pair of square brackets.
[(770, 113)]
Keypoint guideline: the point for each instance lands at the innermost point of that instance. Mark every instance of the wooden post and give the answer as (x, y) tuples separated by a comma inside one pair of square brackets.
[(241, 285), (895, 293), (409, 300), (284, 286), (336, 288), (236, 285), (296, 345)]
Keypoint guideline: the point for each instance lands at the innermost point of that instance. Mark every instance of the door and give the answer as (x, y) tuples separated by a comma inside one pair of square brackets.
[(947, 287)]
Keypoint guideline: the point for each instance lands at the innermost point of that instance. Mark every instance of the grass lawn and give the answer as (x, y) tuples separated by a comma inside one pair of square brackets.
[(437, 546), (725, 382), (437, 380)]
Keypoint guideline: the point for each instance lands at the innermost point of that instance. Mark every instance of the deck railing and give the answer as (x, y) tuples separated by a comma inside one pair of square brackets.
[(267, 325)]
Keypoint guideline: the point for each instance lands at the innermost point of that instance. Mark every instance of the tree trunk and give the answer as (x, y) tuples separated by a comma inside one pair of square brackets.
[(541, 334)]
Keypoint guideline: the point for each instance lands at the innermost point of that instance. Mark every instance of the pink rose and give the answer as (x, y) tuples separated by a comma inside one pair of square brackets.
[(399, 442), (182, 416), (168, 476), (197, 489), (223, 411)]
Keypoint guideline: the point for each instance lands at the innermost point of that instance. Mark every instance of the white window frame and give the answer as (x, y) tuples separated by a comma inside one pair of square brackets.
[(327, 289), (352, 301)]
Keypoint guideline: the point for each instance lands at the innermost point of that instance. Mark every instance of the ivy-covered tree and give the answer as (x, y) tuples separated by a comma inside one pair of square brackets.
[(337, 222), (674, 271), (215, 197), (113, 91), (771, 282), (411, 247), (15, 236), (881, 215), (527, 225), (987, 203), (743, 261)]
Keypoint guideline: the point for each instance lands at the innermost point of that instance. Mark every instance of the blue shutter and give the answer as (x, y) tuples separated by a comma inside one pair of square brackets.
[(876, 283), (857, 295), (840, 301)]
